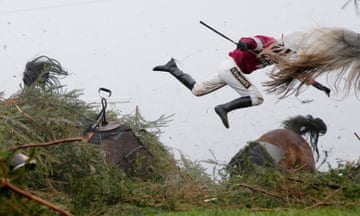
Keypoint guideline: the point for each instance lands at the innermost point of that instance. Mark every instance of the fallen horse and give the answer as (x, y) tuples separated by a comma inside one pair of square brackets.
[(120, 144), (286, 147)]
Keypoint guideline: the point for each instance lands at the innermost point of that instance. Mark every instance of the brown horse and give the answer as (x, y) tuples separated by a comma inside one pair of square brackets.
[(287, 147), (120, 144), (123, 148)]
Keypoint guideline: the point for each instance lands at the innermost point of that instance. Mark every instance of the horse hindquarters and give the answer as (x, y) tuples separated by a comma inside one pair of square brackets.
[(297, 149)]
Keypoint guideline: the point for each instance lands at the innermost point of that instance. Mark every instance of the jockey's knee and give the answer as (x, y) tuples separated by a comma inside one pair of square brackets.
[(198, 91), (256, 100)]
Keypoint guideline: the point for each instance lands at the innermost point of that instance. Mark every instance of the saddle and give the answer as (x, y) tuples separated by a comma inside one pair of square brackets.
[(110, 131), (102, 129)]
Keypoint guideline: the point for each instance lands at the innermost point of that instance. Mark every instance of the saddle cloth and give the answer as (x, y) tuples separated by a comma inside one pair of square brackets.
[(275, 152)]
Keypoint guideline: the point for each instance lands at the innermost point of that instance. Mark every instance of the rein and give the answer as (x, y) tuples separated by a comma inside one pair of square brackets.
[(133, 151), (101, 117)]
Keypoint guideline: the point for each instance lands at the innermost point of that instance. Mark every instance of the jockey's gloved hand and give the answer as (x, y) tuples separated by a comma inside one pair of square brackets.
[(327, 91), (321, 87), (241, 46)]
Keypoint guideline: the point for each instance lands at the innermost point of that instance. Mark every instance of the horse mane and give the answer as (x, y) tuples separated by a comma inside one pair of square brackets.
[(45, 71), (330, 51), (307, 125)]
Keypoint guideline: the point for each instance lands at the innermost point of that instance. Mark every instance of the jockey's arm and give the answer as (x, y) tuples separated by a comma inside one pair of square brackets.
[(316, 84)]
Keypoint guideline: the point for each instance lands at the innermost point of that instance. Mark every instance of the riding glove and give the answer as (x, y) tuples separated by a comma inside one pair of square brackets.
[(322, 88), (241, 46)]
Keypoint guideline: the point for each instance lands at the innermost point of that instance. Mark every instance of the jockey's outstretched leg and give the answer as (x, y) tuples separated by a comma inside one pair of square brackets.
[(172, 68), (250, 95), (238, 103), (207, 86), (228, 74)]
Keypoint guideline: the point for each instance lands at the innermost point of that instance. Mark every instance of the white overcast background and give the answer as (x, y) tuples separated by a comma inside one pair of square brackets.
[(116, 43)]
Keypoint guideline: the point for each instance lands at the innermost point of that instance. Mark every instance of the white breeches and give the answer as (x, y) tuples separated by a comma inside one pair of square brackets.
[(229, 74)]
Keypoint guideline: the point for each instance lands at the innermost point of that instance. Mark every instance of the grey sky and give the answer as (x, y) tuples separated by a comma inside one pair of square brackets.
[(115, 44)]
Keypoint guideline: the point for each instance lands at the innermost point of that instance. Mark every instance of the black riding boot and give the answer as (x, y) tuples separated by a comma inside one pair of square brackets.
[(172, 68), (223, 109)]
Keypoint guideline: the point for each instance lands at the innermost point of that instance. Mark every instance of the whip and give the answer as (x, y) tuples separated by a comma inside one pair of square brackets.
[(219, 33), (262, 59)]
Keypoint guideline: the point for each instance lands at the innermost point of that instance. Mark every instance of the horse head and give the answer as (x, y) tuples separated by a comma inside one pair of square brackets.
[(307, 125), (45, 71)]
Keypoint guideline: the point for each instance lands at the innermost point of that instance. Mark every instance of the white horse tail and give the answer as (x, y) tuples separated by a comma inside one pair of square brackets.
[(331, 51)]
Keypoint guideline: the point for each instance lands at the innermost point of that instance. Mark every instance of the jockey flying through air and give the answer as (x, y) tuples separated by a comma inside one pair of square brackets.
[(234, 71)]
